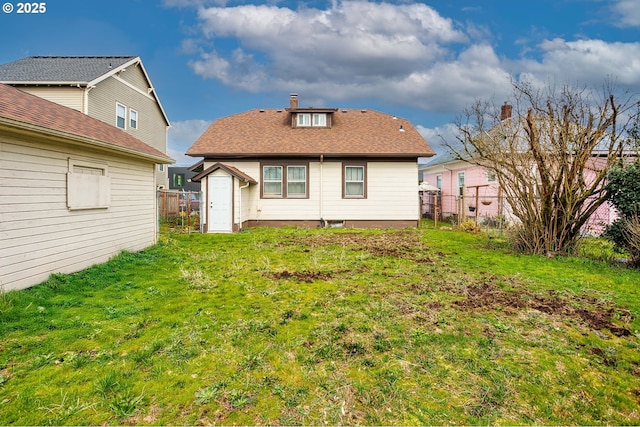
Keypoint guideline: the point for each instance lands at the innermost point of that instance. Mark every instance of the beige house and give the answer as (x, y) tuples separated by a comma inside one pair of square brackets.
[(312, 167), (74, 191), (114, 89)]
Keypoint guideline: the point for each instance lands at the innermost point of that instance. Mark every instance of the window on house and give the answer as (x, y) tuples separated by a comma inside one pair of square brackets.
[(178, 180), (133, 119), (491, 175), (285, 180), (121, 116), (272, 181), (460, 183), (304, 119), (309, 119), (320, 119), (439, 182), (88, 185), (296, 181), (354, 181), (161, 168)]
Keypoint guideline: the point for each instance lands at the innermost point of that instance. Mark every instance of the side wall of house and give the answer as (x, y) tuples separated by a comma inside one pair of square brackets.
[(132, 92), (40, 235), (72, 97)]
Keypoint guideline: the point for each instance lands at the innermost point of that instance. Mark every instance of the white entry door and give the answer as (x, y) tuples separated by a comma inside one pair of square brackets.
[(220, 206)]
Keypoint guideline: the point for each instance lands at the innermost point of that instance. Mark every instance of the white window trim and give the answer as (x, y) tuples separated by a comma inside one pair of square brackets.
[(321, 120), (303, 120), (463, 186), (132, 112), (124, 117)]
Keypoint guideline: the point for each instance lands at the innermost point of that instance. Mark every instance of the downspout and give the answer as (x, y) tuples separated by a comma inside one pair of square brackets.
[(322, 221), (240, 205)]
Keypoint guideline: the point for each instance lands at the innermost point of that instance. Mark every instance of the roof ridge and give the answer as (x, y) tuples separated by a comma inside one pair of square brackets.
[(83, 56)]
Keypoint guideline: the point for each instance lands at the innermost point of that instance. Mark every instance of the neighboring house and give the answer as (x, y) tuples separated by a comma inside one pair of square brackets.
[(74, 191), (114, 89), (180, 178), (467, 190), (309, 167)]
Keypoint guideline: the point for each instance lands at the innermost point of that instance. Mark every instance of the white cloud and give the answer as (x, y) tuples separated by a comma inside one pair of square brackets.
[(438, 137), (354, 49), (585, 61), (628, 11), (406, 54), (181, 136)]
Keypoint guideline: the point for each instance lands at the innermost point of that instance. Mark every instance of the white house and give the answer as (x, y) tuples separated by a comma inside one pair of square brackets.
[(309, 167), (74, 190)]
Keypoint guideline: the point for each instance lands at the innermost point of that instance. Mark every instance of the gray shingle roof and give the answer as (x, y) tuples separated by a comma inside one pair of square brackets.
[(75, 69)]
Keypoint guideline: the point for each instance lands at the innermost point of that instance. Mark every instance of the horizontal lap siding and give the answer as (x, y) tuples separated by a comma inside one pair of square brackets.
[(40, 236), (391, 195), (152, 127), (72, 97)]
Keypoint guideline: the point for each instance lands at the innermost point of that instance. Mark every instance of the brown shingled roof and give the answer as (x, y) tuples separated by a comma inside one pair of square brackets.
[(28, 109), (269, 133)]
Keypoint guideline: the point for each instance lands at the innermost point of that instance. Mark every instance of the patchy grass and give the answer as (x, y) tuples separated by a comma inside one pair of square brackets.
[(290, 326)]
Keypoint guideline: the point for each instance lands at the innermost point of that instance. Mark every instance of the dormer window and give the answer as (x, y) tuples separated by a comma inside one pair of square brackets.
[(320, 119), (304, 120), (311, 120)]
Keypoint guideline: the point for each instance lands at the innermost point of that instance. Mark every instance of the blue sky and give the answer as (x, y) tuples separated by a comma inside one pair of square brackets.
[(425, 61)]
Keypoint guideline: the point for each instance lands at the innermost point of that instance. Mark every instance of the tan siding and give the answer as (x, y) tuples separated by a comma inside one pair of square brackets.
[(72, 97), (40, 236), (152, 127), (392, 195), (135, 77)]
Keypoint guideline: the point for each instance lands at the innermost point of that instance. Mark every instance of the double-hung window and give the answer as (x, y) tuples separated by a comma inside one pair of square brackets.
[(354, 185), (285, 181), (296, 181), (133, 119), (121, 116), (272, 181)]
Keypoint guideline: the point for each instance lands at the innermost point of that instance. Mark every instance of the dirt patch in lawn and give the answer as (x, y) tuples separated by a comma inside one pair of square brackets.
[(399, 244), (595, 313), (301, 276)]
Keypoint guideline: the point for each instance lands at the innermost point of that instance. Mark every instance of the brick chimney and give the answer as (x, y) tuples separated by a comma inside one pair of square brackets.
[(293, 101), (505, 112)]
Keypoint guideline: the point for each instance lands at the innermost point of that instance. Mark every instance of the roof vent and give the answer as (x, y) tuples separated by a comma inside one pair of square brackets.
[(279, 110), (363, 111), (401, 128), (262, 110), (344, 110)]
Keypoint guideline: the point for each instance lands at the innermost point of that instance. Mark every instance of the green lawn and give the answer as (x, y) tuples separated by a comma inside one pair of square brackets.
[(291, 326)]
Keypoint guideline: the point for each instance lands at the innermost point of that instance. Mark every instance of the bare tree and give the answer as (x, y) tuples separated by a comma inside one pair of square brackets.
[(550, 158)]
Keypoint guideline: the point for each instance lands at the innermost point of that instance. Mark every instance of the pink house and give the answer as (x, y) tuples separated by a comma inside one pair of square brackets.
[(465, 191), (468, 191)]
